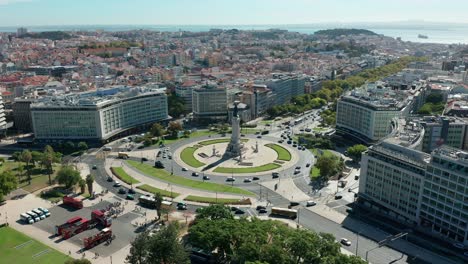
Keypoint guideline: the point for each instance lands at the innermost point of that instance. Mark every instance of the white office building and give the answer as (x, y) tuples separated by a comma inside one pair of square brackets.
[(98, 116), (210, 103)]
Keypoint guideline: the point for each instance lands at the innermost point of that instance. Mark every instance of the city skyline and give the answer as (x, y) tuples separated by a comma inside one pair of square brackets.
[(210, 12)]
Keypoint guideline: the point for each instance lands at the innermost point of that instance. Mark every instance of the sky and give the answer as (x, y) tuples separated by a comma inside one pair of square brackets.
[(226, 12)]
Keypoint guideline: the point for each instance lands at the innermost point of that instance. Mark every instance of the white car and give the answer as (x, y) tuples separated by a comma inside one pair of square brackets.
[(310, 203), (345, 242), (247, 180), (184, 169)]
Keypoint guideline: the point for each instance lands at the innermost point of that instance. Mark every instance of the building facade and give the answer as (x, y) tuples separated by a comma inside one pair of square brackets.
[(98, 116), (444, 130), (22, 115), (3, 123), (209, 103), (285, 87)]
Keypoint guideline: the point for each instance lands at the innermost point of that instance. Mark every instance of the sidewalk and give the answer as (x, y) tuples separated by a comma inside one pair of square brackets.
[(287, 189)]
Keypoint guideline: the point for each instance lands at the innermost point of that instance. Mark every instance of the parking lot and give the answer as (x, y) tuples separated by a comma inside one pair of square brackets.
[(121, 227)]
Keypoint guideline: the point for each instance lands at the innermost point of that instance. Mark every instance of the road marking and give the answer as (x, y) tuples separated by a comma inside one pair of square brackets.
[(23, 244)]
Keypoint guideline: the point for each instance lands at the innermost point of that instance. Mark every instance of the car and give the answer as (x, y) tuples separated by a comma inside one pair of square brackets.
[(122, 191), (338, 196), (302, 130), (181, 206), (39, 213), (350, 210), (242, 135), (164, 156), (257, 133), (298, 167), (94, 167), (233, 208), (259, 207), (130, 197), (255, 178), (131, 191), (259, 136), (247, 180), (294, 145), (141, 147), (184, 169), (239, 211), (206, 178), (169, 157), (44, 210), (308, 165), (296, 171), (292, 203), (144, 159), (345, 242), (230, 179), (109, 179), (308, 130), (262, 211), (275, 175), (458, 245), (310, 203), (158, 164), (280, 141), (195, 174), (289, 142), (117, 184)]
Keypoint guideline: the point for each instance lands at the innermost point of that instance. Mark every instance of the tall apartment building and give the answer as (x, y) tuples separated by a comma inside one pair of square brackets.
[(428, 192), (444, 130), (98, 116), (285, 87), (365, 114), (22, 114), (3, 123), (184, 91), (209, 102)]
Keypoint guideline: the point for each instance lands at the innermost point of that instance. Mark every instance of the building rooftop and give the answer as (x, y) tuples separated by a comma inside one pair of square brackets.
[(378, 97), (452, 153), (406, 133), (98, 97)]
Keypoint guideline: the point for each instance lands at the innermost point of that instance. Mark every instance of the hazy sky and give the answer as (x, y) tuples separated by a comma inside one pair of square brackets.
[(228, 12)]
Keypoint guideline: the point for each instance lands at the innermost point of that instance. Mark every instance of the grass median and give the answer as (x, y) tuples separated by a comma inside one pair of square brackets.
[(188, 156), (283, 154), (181, 181), (266, 167), (151, 189), (123, 176), (16, 247), (214, 200)]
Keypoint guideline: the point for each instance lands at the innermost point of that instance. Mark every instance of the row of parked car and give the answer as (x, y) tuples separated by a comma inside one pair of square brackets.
[(35, 215)]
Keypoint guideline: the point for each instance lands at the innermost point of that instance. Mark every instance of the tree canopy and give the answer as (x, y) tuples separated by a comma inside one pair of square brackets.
[(329, 165), (8, 183), (355, 152), (68, 176)]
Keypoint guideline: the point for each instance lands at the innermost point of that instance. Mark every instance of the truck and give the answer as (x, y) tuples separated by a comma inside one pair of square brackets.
[(79, 224), (26, 218), (92, 241), (70, 222), (284, 212), (100, 217), (122, 155), (73, 202), (76, 228)]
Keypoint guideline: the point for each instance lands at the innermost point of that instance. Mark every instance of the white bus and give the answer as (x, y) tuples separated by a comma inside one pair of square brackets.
[(298, 121), (285, 212)]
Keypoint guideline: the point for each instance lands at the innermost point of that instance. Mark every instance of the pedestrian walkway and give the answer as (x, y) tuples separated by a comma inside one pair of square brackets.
[(287, 189)]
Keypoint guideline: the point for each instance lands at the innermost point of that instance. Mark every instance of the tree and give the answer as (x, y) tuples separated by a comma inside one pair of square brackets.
[(214, 212), (78, 261), (49, 157), (36, 157), (186, 133), (174, 127), (89, 183), (20, 170), (68, 176), (162, 247), (158, 202), (8, 183), (68, 146), (26, 157), (176, 105), (328, 165), (82, 146), (157, 130), (82, 184), (355, 152)]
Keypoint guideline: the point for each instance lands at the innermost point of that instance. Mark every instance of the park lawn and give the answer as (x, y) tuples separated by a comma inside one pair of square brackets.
[(319, 129), (120, 173), (178, 180), (265, 167), (10, 238), (250, 130), (187, 156), (283, 154), (214, 141), (314, 173), (39, 177), (195, 134), (151, 189), (214, 200)]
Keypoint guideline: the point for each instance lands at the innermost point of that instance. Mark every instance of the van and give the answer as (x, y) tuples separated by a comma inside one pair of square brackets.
[(26, 218), (39, 213), (45, 211), (35, 217)]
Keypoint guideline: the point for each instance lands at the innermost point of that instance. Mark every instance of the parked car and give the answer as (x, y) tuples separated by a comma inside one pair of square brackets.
[(130, 197), (247, 180), (292, 203), (458, 245), (131, 191), (117, 184), (184, 169), (275, 175), (234, 208), (239, 211), (338, 196), (109, 179), (144, 159), (308, 165), (181, 206), (345, 242), (94, 167), (122, 191), (310, 203), (259, 207), (45, 211), (262, 211)]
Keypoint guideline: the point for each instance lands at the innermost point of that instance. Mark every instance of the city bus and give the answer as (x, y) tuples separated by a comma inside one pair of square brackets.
[(284, 212), (298, 121)]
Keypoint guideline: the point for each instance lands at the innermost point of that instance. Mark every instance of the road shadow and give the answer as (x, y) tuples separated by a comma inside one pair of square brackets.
[(215, 164), (68, 208)]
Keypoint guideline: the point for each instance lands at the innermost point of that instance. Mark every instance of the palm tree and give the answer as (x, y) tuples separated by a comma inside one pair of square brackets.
[(158, 202), (26, 157), (82, 184), (89, 182)]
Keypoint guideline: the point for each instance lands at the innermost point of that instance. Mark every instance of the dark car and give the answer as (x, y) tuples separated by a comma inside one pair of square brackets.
[(144, 159), (293, 203), (233, 208), (255, 178), (140, 147), (195, 174), (259, 207), (131, 191), (230, 179), (239, 212), (206, 178), (289, 142), (109, 179), (338, 196), (122, 191), (94, 167), (259, 136), (275, 175), (242, 135), (130, 197), (262, 211), (308, 165), (181, 206)]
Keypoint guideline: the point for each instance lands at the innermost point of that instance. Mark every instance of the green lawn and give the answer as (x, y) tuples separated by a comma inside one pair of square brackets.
[(214, 200), (151, 189), (39, 177), (314, 172), (123, 176), (26, 253), (249, 130), (178, 180), (283, 154), (214, 141), (198, 133), (187, 156), (319, 129), (266, 167)]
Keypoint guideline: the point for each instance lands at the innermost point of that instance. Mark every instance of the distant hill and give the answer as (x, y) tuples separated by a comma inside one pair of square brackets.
[(344, 31), (52, 35)]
